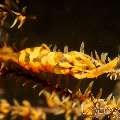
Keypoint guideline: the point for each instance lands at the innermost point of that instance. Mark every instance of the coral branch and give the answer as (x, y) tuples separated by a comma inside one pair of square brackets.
[(20, 17), (89, 108)]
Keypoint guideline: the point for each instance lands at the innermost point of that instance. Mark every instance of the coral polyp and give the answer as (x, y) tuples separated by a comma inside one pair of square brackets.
[(74, 63)]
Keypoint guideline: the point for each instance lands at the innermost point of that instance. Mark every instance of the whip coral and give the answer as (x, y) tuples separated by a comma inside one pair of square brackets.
[(89, 108), (20, 17)]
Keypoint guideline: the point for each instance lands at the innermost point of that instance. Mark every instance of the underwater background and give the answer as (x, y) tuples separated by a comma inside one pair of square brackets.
[(66, 22)]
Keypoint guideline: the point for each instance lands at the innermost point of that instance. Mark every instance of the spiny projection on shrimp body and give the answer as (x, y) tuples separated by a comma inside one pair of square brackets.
[(74, 63)]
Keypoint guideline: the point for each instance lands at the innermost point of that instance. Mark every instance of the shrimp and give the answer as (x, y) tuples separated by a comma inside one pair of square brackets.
[(75, 63)]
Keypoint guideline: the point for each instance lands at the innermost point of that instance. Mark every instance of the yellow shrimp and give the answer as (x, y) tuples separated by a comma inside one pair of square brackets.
[(77, 64)]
